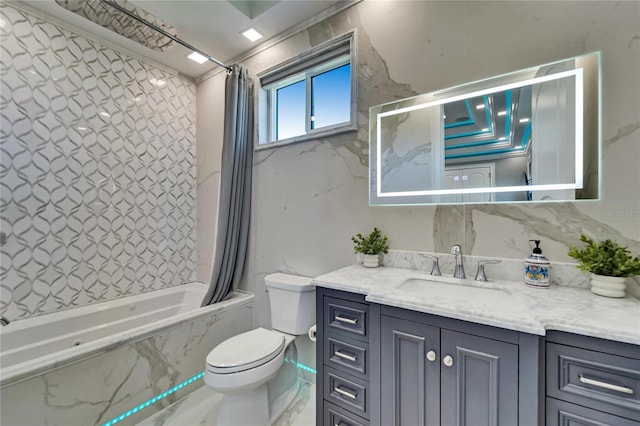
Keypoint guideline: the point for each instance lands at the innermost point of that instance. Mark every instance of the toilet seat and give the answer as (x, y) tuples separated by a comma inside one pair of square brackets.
[(245, 351)]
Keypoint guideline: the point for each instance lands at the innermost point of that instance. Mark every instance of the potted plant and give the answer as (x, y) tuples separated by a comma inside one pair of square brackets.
[(609, 264), (370, 246)]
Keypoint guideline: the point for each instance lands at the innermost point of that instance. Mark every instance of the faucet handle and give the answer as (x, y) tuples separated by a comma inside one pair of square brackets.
[(480, 275), (435, 269)]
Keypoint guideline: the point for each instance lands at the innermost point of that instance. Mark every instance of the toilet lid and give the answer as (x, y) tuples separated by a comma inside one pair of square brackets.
[(245, 351)]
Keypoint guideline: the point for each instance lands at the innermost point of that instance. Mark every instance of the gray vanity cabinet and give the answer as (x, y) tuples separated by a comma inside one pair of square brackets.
[(437, 376), (347, 373), (591, 382), (481, 386), (411, 373), (385, 366)]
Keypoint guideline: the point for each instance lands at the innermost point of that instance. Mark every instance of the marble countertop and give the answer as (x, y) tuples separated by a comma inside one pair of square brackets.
[(507, 304)]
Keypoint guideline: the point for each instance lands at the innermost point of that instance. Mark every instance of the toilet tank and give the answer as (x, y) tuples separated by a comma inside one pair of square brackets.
[(293, 303)]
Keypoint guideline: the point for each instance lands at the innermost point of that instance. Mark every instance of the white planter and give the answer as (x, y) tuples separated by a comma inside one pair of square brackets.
[(371, 260), (603, 285)]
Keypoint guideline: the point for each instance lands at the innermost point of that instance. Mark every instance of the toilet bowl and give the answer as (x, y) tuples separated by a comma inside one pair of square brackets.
[(246, 361), (242, 367)]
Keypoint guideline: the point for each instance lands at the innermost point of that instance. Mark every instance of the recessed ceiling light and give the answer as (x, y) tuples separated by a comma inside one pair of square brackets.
[(501, 113), (105, 114), (480, 106), (252, 34), (504, 138), (524, 120), (195, 56), (486, 129)]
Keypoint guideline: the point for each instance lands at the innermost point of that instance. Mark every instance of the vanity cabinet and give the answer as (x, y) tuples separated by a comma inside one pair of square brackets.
[(379, 365), (345, 334), (440, 376), (591, 381)]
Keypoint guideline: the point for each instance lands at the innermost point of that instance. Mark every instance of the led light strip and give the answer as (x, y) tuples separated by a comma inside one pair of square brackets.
[(153, 400), (301, 366), (180, 386)]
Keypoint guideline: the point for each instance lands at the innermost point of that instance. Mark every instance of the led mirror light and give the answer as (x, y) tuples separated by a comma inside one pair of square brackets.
[(252, 34), (417, 153)]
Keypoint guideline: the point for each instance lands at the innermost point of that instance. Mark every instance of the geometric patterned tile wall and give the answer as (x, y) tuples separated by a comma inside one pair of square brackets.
[(97, 171)]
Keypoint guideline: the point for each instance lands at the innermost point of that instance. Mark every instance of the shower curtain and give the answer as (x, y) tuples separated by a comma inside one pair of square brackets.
[(235, 187)]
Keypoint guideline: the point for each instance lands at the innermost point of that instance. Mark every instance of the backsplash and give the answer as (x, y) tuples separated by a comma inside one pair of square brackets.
[(561, 273), (98, 171)]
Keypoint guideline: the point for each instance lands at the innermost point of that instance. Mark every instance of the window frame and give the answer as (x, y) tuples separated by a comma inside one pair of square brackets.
[(305, 67)]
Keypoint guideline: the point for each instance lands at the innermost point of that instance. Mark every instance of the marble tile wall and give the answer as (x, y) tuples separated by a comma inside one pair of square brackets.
[(309, 198), (98, 194)]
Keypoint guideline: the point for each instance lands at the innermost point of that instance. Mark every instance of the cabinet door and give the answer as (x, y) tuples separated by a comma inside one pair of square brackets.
[(410, 373), (479, 380)]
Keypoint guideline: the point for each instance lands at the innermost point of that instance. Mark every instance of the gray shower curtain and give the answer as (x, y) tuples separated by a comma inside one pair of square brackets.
[(235, 187)]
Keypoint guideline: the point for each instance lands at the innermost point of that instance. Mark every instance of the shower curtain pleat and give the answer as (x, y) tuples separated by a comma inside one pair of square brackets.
[(234, 210)]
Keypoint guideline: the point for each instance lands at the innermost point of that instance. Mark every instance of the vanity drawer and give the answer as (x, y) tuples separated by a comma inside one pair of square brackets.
[(346, 391), (598, 380), (350, 357), (343, 315), (560, 413), (336, 416)]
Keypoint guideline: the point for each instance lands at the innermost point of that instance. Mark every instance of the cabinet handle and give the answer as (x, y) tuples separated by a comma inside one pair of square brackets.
[(346, 320), (431, 356), (605, 385), (348, 357), (447, 361), (345, 393)]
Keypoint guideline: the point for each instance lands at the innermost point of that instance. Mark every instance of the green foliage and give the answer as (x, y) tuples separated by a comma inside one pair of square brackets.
[(606, 258), (373, 244)]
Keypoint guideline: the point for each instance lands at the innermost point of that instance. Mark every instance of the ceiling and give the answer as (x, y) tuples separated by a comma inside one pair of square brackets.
[(212, 26)]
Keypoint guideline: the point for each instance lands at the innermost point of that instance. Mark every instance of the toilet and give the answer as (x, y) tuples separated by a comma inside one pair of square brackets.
[(243, 367)]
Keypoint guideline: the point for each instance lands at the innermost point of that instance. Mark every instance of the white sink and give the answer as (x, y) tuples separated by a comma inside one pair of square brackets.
[(455, 290)]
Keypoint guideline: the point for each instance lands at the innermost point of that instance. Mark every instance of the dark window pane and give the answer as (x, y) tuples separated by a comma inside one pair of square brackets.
[(331, 97), (290, 104)]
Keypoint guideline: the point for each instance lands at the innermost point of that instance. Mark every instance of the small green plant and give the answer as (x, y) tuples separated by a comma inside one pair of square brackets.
[(373, 244), (606, 258)]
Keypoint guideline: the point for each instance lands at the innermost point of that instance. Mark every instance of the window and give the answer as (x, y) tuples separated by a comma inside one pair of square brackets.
[(309, 96)]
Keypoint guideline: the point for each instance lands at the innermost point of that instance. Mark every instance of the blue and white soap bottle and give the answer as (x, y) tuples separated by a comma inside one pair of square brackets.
[(536, 268)]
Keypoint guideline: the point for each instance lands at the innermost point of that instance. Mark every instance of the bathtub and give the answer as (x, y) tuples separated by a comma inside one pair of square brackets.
[(90, 364)]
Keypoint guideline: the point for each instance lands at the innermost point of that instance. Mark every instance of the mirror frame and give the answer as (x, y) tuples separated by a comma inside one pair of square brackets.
[(487, 86)]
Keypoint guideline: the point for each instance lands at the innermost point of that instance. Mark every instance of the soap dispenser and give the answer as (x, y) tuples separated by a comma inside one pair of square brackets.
[(536, 268)]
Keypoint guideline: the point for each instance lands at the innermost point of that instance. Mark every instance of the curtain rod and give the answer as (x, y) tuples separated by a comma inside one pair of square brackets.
[(163, 32)]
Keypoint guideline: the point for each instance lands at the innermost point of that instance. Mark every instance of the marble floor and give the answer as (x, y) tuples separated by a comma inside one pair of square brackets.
[(200, 408)]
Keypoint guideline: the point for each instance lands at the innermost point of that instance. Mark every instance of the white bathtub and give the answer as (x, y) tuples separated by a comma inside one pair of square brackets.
[(154, 327)]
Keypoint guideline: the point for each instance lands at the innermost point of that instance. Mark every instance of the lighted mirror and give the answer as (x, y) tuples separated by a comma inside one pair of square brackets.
[(528, 136)]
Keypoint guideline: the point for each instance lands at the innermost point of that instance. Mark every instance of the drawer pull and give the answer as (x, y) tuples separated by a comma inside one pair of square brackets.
[(346, 320), (605, 385), (345, 393), (345, 356)]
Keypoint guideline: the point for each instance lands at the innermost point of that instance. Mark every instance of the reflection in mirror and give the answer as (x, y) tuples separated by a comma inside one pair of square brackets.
[(532, 135)]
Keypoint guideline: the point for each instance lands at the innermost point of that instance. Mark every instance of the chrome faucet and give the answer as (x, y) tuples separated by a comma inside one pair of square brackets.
[(481, 275), (435, 269), (4, 321), (456, 250)]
